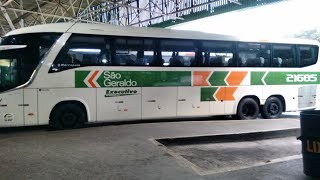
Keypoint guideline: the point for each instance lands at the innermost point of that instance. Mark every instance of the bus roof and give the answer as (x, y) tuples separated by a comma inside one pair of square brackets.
[(106, 29), (56, 27)]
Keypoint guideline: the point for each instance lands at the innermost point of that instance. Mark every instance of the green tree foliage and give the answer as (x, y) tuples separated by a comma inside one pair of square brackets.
[(309, 34)]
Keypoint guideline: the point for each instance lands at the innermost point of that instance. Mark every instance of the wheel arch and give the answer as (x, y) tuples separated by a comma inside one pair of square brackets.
[(81, 104), (254, 97), (281, 98)]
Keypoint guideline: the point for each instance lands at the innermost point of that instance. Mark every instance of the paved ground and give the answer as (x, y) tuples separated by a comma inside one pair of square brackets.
[(128, 151), (234, 152)]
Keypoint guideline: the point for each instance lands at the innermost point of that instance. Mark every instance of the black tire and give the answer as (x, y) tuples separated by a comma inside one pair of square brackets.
[(68, 115), (248, 108), (273, 108)]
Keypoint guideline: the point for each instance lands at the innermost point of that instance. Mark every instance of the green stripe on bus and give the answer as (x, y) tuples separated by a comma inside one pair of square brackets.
[(99, 78), (217, 78), (207, 93), (284, 78), (135, 78), (256, 78), (79, 78)]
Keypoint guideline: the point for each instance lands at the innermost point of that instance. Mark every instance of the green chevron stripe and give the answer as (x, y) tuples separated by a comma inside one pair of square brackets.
[(256, 78), (79, 78), (217, 78), (207, 93)]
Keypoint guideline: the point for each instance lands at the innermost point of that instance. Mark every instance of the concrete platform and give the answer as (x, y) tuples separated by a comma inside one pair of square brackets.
[(128, 151)]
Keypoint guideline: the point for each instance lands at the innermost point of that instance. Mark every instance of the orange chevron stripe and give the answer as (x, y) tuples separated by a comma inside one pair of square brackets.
[(200, 78), (229, 93), (236, 77), (92, 77), (225, 93), (220, 94)]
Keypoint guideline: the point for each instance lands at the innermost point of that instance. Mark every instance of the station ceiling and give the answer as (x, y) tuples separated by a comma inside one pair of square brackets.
[(160, 13)]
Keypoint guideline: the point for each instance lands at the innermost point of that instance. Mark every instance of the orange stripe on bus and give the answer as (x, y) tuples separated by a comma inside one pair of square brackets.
[(92, 77), (200, 78), (225, 93), (229, 93), (236, 77), (220, 94)]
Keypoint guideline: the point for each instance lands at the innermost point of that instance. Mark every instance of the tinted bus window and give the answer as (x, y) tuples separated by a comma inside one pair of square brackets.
[(133, 51), (308, 55), (253, 55), (218, 54), (177, 53), (17, 65), (82, 50), (283, 55)]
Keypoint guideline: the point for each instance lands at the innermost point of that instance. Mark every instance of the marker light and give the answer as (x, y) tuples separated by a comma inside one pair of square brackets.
[(86, 50)]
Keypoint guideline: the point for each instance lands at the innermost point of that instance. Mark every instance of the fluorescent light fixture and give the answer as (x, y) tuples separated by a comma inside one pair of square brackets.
[(86, 50), (9, 47), (4, 63), (104, 61)]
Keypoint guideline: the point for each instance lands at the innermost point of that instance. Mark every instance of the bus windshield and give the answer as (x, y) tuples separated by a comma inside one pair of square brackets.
[(20, 55)]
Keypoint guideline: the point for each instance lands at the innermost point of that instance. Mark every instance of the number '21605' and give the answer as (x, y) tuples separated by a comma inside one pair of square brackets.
[(302, 78)]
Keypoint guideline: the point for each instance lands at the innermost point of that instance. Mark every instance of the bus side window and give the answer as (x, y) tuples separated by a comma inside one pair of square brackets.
[(157, 59), (283, 55), (80, 51), (177, 53), (218, 54), (308, 55), (133, 51), (254, 54)]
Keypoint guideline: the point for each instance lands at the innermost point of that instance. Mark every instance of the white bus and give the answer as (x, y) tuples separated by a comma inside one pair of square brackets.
[(69, 74)]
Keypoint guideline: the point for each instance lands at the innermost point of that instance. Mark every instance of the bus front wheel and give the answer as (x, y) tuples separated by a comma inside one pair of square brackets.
[(272, 108), (248, 108), (67, 115)]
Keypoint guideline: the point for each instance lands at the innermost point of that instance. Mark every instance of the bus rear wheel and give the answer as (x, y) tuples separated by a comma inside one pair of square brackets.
[(67, 115), (248, 108), (272, 108)]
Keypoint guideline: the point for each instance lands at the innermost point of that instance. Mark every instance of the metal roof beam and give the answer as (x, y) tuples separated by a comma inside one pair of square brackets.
[(7, 3), (55, 16), (55, 12), (74, 13), (37, 13), (67, 10), (26, 14), (21, 22), (235, 1), (60, 3), (39, 9), (80, 4), (63, 8), (3, 30), (206, 8), (128, 6), (7, 17), (87, 8)]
